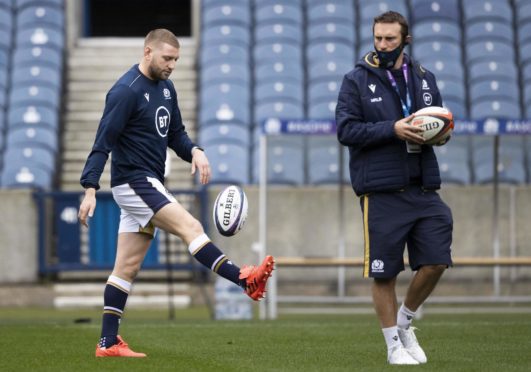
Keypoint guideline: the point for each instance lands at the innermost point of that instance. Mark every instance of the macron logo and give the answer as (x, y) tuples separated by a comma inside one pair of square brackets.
[(147, 96), (372, 87)]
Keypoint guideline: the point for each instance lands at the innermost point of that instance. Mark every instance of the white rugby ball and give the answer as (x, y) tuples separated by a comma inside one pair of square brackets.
[(437, 122), (230, 210)]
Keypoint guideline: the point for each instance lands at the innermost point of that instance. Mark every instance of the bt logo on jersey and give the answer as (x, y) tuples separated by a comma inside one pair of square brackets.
[(162, 121)]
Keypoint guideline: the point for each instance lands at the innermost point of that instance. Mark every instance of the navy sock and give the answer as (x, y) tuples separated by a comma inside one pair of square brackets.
[(210, 256), (114, 299)]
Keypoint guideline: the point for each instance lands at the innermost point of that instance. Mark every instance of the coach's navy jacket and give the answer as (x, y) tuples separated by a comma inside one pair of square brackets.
[(367, 109)]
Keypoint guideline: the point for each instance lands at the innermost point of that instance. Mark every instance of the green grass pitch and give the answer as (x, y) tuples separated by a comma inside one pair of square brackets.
[(47, 340)]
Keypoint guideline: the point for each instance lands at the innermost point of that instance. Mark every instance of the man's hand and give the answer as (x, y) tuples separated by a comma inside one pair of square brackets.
[(407, 132), (200, 162), (88, 205)]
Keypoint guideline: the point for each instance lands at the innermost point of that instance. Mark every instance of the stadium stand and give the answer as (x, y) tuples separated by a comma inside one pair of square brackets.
[(301, 49), (31, 90)]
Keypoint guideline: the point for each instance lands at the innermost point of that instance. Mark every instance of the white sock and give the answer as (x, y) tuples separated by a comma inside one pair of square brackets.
[(391, 337), (404, 317)]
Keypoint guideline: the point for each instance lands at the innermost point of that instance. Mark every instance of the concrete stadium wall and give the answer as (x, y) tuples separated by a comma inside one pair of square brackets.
[(302, 222), (18, 237)]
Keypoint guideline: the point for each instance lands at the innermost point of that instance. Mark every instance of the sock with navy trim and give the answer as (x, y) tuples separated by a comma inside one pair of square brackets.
[(114, 299), (204, 251)]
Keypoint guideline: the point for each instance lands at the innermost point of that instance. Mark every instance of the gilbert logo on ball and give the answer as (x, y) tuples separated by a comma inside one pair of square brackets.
[(230, 210), (437, 122)]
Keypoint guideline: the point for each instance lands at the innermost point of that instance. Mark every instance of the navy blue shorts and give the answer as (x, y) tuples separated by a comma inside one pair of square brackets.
[(414, 217)]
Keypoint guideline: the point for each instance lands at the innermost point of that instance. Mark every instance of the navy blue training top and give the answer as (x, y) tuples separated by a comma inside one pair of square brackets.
[(140, 120)]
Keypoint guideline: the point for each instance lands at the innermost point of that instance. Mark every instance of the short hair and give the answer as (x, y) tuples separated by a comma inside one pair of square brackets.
[(161, 35), (393, 17)]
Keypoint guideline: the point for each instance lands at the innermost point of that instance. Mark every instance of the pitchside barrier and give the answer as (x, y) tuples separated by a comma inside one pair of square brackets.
[(281, 127), (65, 245)]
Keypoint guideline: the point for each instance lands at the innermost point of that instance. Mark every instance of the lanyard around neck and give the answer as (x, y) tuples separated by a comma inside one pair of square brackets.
[(406, 107)]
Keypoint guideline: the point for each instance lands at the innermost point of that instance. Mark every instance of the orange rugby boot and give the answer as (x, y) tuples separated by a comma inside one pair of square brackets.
[(121, 349), (256, 278)]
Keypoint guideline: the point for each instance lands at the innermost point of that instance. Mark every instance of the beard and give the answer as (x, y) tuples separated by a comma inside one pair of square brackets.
[(158, 73)]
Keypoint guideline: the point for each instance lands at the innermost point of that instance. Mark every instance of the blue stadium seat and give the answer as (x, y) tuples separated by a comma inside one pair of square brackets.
[(36, 75), (457, 107), (490, 51), (278, 12), (523, 11), (524, 32), (31, 116), (285, 160), (223, 53), (439, 10), (329, 51), (270, 33), (511, 160), (490, 30), (446, 69), (25, 175), (273, 52), (225, 113), (323, 160), (232, 94), (226, 34), (492, 69), (279, 70), (229, 163), (454, 160), (40, 36), (3, 78), (495, 89), (38, 156), (526, 73), (21, 4), (34, 96), (369, 9), (527, 95), (453, 89), (326, 70), (525, 53), (436, 50), (323, 90), (227, 13), (4, 59), (6, 39), (279, 90), (6, 4), (364, 48), (6, 19), (225, 72), (279, 109), (480, 10), (34, 136), (40, 16), (336, 32), (42, 56), (224, 133), (3, 99), (325, 110), (208, 3), (442, 30), (495, 109), (334, 11)]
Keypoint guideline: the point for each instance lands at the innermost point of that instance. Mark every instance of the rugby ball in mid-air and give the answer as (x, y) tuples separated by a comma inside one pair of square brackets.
[(437, 122), (230, 210)]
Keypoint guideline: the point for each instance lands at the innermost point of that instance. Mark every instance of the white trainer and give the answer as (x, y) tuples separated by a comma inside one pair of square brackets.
[(409, 340), (399, 355)]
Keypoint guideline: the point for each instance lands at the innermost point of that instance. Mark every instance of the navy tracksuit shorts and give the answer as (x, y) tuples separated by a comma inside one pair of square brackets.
[(412, 217)]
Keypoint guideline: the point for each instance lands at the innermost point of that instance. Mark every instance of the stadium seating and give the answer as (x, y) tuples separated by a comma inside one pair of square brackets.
[(229, 163), (323, 160), (479, 50), (285, 160)]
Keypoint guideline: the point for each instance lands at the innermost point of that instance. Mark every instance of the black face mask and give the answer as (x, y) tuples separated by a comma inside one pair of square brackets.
[(388, 59)]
